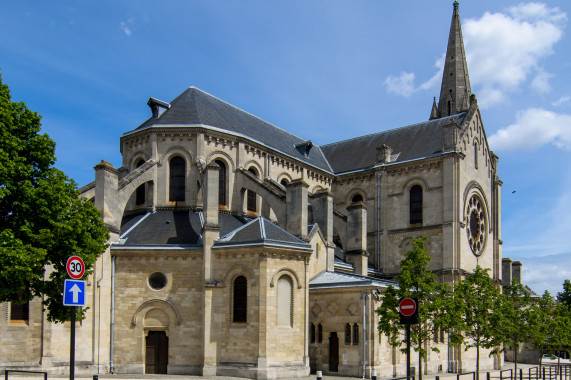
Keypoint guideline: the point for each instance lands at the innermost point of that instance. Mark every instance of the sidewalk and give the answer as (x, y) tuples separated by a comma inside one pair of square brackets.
[(441, 375)]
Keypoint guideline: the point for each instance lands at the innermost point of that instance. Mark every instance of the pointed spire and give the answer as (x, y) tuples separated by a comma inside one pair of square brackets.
[(434, 112), (455, 91)]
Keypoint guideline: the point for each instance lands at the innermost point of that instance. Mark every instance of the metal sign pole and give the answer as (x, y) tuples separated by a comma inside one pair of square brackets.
[(408, 351), (72, 346)]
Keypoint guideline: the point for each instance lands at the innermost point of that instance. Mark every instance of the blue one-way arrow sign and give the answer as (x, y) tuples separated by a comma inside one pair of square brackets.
[(74, 293)]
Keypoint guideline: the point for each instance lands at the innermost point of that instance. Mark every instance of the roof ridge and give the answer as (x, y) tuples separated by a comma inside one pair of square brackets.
[(231, 234), (281, 228), (394, 129)]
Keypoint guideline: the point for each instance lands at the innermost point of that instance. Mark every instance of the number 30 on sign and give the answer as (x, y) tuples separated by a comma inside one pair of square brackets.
[(75, 267)]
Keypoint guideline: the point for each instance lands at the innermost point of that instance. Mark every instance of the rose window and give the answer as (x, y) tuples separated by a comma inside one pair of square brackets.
[(476, 225)]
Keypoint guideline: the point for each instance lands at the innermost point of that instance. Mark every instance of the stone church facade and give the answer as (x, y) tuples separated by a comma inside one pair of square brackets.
[(240, 249)]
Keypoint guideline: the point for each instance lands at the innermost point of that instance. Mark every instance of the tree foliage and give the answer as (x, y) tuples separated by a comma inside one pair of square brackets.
[(416, 280), (477, 298), (564, 297), (521, 319), (42, 220)]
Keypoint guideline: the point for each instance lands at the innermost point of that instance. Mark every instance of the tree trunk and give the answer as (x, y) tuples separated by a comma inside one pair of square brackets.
[(478, 360), (515, 361)]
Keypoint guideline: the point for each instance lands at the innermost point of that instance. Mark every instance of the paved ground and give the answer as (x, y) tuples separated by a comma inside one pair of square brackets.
[(444, 376)]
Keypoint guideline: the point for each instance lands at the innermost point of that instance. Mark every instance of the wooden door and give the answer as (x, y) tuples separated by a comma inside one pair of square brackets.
[(157, 352), (333, 352)]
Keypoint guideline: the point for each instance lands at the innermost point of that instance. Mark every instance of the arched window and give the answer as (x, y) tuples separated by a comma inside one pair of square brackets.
[(285, 292), (312, 333), (221, 183), (476, 155), (416, 204), (177, 168), (347, 334), (355, 334), (357, 198), (284, 182), (240, 304), (251, 196), (140, 192)]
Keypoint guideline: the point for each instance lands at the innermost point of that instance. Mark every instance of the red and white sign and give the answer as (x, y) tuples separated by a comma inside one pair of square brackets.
[(407, 307), (75, 267)]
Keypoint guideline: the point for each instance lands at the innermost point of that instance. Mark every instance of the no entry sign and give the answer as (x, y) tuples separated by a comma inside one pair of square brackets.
[(75, 267), (408, 309)]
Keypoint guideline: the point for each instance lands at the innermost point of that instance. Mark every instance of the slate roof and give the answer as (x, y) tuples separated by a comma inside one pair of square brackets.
[(410, 142), (196, 107), (170, 228), (261, 231), (328, 279)]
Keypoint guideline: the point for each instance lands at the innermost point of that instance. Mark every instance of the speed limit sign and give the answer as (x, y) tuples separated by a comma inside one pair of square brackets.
[(75, 267)]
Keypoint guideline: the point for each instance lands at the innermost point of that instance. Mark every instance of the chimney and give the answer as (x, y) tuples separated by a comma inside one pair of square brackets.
[(506, 272), (516, 272)]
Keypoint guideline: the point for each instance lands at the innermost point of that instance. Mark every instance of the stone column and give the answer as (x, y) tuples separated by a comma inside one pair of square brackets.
[(296, 200), (106, 194), (356, 238), (210, 233), (323, 216)]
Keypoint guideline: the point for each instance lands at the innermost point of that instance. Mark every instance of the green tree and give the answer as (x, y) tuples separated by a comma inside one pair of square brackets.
[(521, 318), (415, 280), (42, 220), (564, 297), (476, 298)]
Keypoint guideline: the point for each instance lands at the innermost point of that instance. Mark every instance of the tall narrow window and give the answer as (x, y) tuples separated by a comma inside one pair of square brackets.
[(177, 168), (312, 333), (240, 307), (285, 301), (221, 183), (347, 334), (476, 156), (251, 201), (140, 192), (319, 333), (20, 311), (355, 334), (416, 204)]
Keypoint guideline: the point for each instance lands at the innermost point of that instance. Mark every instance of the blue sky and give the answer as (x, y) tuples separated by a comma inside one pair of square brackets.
[(325, 70)]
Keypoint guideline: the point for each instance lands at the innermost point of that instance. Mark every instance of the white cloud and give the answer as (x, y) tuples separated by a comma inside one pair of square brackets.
[(127, 26), (534, 128), (402, 85), (558, 268), (504, 50), (541, 82), (561, 100)]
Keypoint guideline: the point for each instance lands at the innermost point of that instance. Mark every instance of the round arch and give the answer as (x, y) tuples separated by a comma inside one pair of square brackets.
[(222, 156), (147, 306), (289, 272)]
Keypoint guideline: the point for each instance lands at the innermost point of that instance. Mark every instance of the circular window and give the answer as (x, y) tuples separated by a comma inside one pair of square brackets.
[(476, 225), (157, 281)]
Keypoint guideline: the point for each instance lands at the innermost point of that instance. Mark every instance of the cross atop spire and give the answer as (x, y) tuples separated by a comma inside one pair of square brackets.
[(455, 91)]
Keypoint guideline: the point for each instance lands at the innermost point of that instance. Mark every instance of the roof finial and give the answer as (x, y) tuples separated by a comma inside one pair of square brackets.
[(456, 3)]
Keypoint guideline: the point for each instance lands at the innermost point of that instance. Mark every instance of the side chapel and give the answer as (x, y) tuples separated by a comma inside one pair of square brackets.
[(240, 249)]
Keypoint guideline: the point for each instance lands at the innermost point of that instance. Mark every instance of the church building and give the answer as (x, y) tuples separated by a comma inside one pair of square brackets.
[(240, 249)]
